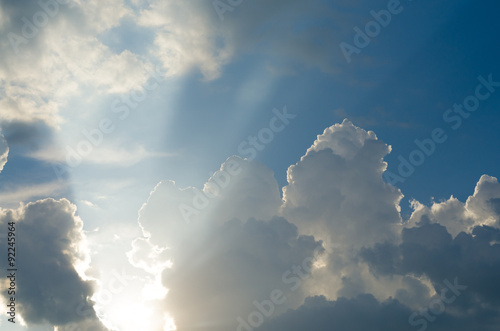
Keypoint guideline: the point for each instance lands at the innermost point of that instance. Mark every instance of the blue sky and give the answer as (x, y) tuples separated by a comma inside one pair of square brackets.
[(163, 94)]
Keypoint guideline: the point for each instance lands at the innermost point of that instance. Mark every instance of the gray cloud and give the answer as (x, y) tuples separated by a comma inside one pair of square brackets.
[(50, 290), (364, 312), (431, 251), (216, 278), (361, 313), (30, 136)]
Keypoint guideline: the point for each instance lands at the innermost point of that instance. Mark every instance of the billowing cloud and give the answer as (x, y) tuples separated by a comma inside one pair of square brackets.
[(233, 231), (336, 193), (337, 190), (237, 231), (49, 285), (220, 253), (441, 268), (481, 208)]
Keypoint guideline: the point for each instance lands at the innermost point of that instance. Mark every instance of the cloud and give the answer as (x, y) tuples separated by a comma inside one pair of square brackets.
[(431, 251), (49, 239), (185, 37), (364, 312), (192, 35), (103, 16), (337, 190), (358, 314), (237, 231), (221, 245), (61, 59), (429, 258), (336, 193), (4, 152), (105, 154), (481, 208), (27, 137)]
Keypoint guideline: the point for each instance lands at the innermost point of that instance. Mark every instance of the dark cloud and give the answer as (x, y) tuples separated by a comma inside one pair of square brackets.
[(469, 259), (30, 136), (431, 251), (50, 290), (364, 312), (361, 313)]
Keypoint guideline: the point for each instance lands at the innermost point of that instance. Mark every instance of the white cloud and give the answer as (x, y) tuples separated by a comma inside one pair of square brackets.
[(4, 152), (103, 15), (186, 37), (337, 189), (481, 208), (335, 192), (221, 245), (106, 154), (63, 60)]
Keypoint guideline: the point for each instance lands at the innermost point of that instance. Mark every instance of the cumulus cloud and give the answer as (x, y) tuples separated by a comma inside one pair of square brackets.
[(50, 289), (237, 230), (481, 208), (450, 242), (222, 248), (336, 193), (222, 255), (337, 190)]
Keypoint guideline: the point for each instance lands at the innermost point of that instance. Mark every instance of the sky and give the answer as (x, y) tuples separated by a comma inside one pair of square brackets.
[(249, 165)]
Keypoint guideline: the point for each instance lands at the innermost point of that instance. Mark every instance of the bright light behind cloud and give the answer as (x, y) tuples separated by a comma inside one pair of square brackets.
[(249, 165)]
